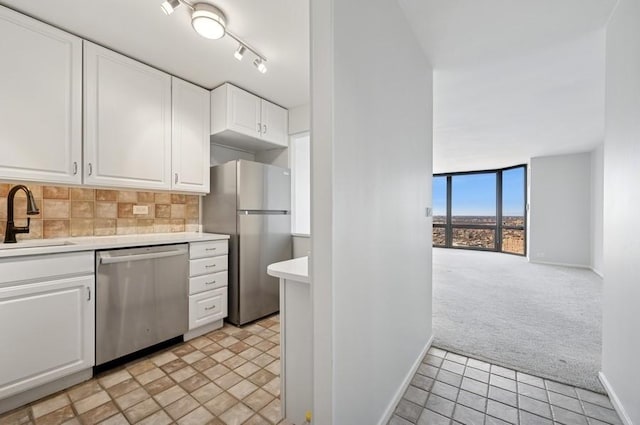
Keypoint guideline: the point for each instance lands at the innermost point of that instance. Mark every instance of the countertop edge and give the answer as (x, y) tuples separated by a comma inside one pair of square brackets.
[(296, 269), (93, 243)]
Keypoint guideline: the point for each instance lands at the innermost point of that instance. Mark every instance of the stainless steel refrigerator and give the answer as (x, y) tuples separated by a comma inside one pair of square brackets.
[(252, 203)]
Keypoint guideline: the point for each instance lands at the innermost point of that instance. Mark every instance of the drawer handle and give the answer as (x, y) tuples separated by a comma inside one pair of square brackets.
[(210, 283), (210, 308), (210, 249), (208, 266)]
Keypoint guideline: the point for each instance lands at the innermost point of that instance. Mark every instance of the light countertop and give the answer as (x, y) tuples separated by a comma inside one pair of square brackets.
[(296, 269), (91, 243)]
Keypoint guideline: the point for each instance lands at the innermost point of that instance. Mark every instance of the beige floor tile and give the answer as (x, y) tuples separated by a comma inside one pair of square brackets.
[(274, 367), (150, 376), (113, 378), (73, 421), (159, 385), (158, 418), (229, 380), (181, 407), (123, 388), (262, 377), (199, 416), (242, 389), (56, 417), (204, 364), (237, 415), (275, 339), (238, 347), (183, 350), (220, 403), (253, 340), (141, 410), (250, 353), (193, 383), (118, 419), (91, 402), (170, 395), (184, 373), (216, 371), (49, 405), (275, 352), (212, 349), (273, 387), (234, 362), (263, 359), (222, 355), (257, 420), (247, 369), (99, 414), (132, 398), (243, 334), (84, 390), (272, 411), (265, 345), (207, 392), (173, 365), (228, 341), (140, 367), (194, 357), (17, 417), (258, 399), (200, 342), (163, 358)]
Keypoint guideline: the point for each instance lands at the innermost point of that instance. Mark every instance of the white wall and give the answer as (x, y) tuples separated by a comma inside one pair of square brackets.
[(301, 245), (299, 119), (371, 181), (597, 208), (560, 210), (621, 316), (221, 154)]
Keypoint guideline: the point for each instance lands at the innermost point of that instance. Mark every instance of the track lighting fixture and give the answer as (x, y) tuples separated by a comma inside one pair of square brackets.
[(168, 6), (239, 53), (259, 63), (209, 21)]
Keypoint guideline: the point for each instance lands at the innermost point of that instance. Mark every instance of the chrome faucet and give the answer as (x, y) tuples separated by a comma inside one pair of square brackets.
[(32, 209)]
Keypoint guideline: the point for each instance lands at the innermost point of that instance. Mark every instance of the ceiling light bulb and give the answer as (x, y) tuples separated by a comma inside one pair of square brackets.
[(168, 6), (239, 52), (259, 63), (208, 21)]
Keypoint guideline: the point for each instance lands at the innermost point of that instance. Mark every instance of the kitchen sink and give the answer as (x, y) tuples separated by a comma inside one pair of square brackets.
[(34, 244)]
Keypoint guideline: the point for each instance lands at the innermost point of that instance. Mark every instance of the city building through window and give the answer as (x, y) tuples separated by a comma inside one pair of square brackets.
[(483, 210)]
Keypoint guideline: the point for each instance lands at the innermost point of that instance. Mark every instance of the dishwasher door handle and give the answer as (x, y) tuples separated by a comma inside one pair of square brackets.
[(105, 258)]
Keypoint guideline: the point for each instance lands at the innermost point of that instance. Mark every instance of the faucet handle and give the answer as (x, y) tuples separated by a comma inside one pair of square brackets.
[(24, 229)]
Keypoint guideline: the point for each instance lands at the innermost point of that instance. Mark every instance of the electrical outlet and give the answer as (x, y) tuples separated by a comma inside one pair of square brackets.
[(140, 209)]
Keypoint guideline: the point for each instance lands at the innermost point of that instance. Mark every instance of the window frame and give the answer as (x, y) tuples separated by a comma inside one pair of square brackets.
[(499, 226)]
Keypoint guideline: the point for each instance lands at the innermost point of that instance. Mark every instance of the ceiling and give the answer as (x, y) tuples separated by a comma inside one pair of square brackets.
[(513, 79), (278, 29)]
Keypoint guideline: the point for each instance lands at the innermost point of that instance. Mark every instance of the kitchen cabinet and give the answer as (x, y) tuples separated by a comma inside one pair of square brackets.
[(190, 137), (127, 122), (245, 121), (47, 319), (41, 111), (208, 271)]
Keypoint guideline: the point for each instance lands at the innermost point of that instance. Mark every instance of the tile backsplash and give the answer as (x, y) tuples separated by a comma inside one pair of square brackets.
[(76, 211)]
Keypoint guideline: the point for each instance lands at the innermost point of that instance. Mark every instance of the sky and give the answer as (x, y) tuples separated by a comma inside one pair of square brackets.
[(475, 194)]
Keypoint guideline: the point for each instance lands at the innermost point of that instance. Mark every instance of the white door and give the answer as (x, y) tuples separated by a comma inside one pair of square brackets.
[(127, 122), (190, 137), (275, 125), (40, 110), (47, 331), (243, 111)]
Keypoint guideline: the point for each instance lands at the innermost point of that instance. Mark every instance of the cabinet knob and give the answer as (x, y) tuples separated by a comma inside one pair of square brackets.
[(90, 169), (259, 127), (264, 128), (75, 168), (176, 178), (210, 308)]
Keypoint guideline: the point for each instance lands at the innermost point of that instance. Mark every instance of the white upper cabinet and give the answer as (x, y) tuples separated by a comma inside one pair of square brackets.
[(190, 137), (40, 110), (245, 121), (127, 122)]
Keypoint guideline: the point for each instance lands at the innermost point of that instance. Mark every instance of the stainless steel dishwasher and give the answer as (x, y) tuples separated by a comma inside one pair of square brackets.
[(141, 298)]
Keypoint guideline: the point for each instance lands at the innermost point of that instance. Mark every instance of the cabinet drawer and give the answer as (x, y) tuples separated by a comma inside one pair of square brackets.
[(208, 282), (207, 307), (45, 267), (208, 249), (208, 265)]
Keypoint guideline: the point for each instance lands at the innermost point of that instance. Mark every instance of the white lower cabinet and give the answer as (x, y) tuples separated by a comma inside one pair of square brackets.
[(208, 270), (47, 321)]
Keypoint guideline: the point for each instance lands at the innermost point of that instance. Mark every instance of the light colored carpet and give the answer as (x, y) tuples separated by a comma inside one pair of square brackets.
[(540, 319)]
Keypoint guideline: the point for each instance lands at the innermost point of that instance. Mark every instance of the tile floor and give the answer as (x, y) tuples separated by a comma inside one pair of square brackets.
[(230, 376), (453, 389)]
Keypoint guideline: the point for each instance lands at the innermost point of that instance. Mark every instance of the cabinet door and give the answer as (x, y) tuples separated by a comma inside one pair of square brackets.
[(41, 88), (275, 124), (190, 137), (48, 332), (127, 122), (243, 113)]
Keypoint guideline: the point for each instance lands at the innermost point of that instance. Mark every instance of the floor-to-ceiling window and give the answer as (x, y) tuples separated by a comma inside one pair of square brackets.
[(481, 210)]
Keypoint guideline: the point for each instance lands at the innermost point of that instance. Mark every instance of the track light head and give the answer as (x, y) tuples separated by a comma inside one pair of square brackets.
[(208, 21), (168, 6), (259, 63), (239, 53)]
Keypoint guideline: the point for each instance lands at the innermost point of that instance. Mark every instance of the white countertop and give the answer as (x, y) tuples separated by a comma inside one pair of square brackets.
[(296, 269), (91, 243)]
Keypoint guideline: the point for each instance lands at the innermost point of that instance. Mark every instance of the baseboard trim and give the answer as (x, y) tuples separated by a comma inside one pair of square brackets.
[(388, 412), (551, 263), (598, 272), (617, 405)]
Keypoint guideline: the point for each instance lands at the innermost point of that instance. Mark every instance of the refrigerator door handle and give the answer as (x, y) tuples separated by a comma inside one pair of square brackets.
[(262, 212)]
